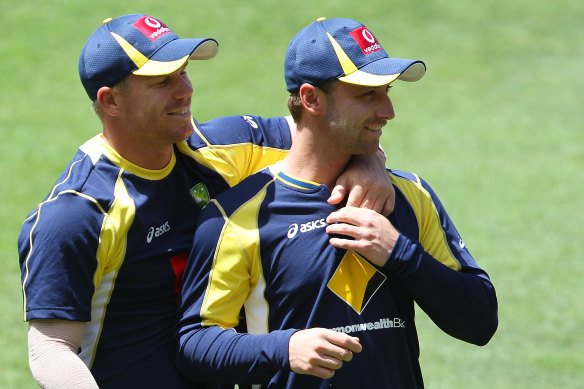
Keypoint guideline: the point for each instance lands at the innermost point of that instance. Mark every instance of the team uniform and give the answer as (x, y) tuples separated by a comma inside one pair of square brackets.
[(110, 242), (263, 246)]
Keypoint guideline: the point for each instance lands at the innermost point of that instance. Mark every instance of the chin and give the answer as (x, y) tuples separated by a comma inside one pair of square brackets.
[(187, 131), (371, 149)]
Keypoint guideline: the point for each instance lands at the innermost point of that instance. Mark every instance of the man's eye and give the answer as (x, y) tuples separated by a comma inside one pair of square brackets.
[(160, 83)]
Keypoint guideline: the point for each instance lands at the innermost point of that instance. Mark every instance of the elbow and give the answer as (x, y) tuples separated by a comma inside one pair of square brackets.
[(489, 327), (479, 320), (188, 362), (486, 315), (486, 323), (478, 331)]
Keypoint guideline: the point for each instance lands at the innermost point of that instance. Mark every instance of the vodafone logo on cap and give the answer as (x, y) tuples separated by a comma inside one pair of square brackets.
[(152, 28), (366, 40)]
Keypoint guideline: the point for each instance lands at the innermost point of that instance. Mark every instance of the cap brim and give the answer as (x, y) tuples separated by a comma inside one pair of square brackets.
[(175, 53), (385, 71), (413, 72)]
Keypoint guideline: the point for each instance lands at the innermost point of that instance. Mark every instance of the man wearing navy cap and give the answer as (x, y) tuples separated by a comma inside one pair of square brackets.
[(102, 256), (328, 292)]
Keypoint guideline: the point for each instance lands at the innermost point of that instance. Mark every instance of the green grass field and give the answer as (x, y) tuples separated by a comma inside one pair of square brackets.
[(494, 126)]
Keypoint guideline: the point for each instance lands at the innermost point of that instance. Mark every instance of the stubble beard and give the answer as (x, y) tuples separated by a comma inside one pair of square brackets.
[(345, 135)]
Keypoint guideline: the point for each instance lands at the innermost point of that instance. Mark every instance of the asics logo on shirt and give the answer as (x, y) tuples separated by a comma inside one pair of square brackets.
[(155, 232), (305, 227)]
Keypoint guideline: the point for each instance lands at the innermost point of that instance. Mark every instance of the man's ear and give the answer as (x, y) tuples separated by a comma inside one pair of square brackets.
[(313, 99), (106, 97)]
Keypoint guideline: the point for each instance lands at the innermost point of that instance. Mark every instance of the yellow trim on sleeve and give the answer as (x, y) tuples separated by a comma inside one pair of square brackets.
[(114, 232), (37, 214), (111, 252), (432, 235)]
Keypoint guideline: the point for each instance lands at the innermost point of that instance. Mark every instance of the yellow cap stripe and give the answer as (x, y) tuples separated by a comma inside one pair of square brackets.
[(156, 68), (137, 57), (346, 63), (361, 78), (354, 75), (145, 66)]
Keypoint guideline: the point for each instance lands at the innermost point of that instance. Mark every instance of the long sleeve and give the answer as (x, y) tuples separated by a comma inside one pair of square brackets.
[(435, 266), (463, 304), (225, 356)]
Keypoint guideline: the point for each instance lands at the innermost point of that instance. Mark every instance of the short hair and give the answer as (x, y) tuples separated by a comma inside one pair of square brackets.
[(295, 104), (121, 86)]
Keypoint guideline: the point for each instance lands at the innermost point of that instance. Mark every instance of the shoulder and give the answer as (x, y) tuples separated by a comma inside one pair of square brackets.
[(83, 191), (253, 187), (414, 188), (68, 213), (403, 178), (398, 174), (235, 129)]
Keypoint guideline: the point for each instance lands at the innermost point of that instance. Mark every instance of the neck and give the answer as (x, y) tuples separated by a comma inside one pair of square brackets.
[(313, 160), (147, 156)]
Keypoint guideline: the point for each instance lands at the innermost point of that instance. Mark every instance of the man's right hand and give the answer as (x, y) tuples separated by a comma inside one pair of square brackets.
[(319, 351)]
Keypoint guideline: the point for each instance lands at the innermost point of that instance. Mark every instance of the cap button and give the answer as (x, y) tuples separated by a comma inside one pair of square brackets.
[(320, 19), (107, 20)]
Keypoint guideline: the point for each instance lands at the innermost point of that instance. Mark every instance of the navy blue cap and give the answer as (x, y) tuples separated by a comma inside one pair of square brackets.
[(136, 44), (343, 49)]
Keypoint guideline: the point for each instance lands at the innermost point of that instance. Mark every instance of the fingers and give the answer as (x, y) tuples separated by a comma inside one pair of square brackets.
[(379, 197), (360, 197), (347, 344), (365, 183), (320, 352), (349, 215), (375, 198), (345, 222), (363, 231), (320, 372), (338, 193), (388, 206)]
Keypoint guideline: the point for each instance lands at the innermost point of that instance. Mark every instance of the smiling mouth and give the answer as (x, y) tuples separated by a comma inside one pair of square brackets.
[(374, 129), (179, 112)]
